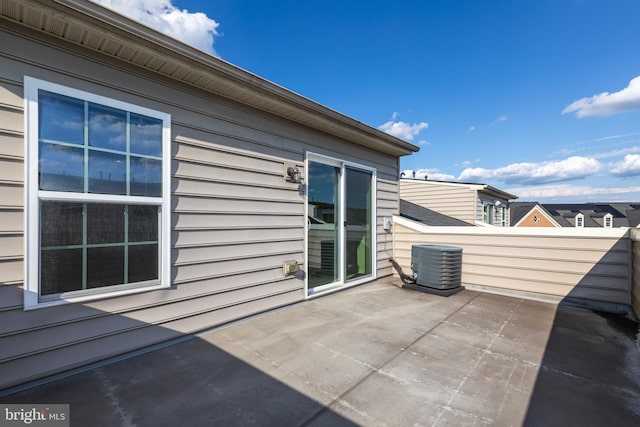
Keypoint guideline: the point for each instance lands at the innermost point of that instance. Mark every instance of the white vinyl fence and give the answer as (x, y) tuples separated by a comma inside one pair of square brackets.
[(589, 265)]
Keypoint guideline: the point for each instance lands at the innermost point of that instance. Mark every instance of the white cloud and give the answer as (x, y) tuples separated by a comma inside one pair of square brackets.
[(431, 174), (499, 120), (606, 104), (395, 115), (629, 166), (193, 28), (403, 130), (605, 138), (562, 152), (471, 129), (615, 153), (535, 173), (581, 194), (424, 142)]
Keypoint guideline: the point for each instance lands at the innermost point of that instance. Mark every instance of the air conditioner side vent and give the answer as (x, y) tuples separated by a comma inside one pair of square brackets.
[(437, 267)]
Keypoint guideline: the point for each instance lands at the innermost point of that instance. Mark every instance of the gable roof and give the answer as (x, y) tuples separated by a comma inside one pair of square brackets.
[(427, 216), (104, 31), (521, 210), (623, 214)]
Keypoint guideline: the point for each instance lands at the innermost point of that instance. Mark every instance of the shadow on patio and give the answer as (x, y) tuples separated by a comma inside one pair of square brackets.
[(375, 355)]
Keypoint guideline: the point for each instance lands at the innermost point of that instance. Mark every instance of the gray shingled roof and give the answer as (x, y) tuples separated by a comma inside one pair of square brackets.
[(519, 210), (427, 216), (624, 214)]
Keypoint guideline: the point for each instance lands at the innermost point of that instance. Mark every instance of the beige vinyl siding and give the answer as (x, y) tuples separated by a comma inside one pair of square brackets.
[(235, 219), (387, 201), (554, 262), (452, 200), (11, 188), (635, 273)]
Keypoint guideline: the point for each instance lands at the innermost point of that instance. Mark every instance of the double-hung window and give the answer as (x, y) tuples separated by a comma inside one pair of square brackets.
[(98, 202)]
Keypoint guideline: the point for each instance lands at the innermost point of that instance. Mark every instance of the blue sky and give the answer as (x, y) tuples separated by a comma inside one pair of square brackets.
[(535, 97)]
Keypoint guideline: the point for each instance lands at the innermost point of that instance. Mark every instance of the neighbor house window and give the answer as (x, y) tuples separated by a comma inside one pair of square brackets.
[(488, 216), (97, 196), (580, 220), (503, 215), (608, 221)]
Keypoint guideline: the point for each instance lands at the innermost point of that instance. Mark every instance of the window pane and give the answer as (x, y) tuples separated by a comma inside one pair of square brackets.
[(60, 271), (143, 263), (105, 223), (107, 173), (146, 135), (323, 244), (61, 168), (143, 223), (61, 118), (60, 224), (107, 127), (105, 266), (146, 177), (359, 224)]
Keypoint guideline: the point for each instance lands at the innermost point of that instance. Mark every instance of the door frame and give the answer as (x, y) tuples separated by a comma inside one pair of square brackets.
[(341, 283)]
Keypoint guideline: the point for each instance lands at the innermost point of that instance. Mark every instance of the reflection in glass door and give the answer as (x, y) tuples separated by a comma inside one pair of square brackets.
[(340, 223), (358, 229), (323, 219)]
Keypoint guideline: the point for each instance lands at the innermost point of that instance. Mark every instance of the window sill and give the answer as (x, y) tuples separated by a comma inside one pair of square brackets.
[(31, 300)]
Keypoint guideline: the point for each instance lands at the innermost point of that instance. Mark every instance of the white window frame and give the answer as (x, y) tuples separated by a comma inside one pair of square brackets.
[(608, 221), (33, 196), (580, 220)]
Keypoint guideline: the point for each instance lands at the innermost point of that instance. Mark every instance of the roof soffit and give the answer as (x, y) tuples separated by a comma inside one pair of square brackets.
[(93, 27)]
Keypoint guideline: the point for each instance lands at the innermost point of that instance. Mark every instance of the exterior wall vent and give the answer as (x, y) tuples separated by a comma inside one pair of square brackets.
[(437, 268)]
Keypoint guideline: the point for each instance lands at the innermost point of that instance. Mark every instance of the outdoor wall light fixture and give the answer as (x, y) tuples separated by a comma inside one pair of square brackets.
[(294, 175)]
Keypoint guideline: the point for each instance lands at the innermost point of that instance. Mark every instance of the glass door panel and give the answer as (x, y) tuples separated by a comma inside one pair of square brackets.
[(358, 227), (323, 219)]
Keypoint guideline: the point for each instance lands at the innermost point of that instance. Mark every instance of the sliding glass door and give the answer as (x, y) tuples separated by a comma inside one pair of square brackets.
[(340, 223), (358, 229), (323, 219)]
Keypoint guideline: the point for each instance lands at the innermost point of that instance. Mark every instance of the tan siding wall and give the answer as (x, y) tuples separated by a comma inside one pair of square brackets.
[(579, 265), (11, 188), (635, 290), (449, 200), (235, 220), (387, 201)]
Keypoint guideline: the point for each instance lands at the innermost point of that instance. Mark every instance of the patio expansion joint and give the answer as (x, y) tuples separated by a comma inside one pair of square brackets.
[(339, 400), (486, 350)]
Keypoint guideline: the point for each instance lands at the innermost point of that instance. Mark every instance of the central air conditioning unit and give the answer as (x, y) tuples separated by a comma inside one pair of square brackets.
[(437, 269)]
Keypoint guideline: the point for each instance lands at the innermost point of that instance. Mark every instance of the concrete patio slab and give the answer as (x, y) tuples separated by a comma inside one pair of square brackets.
[(375, 355)]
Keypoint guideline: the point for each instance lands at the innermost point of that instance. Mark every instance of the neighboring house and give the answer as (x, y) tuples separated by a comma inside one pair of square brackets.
[(579, 215), (531, 214), (477, 204), (429, 217), (149, 190)]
